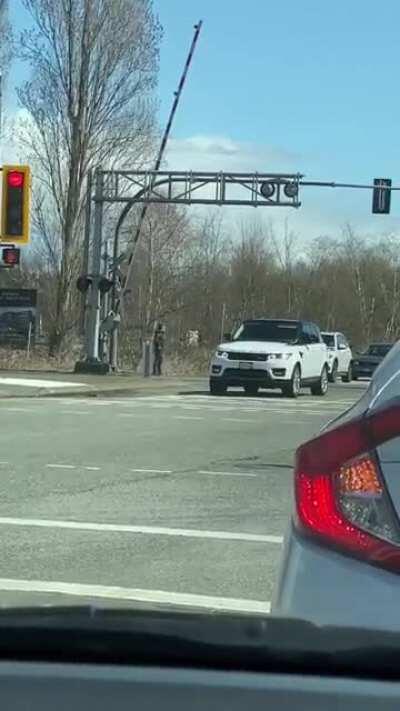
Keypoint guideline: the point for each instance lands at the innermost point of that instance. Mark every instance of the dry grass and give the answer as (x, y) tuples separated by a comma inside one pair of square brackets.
[(186, 363), (38, 360), (191, 361)]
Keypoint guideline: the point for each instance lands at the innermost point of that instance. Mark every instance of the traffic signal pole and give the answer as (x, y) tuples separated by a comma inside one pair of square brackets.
[(92, 362)]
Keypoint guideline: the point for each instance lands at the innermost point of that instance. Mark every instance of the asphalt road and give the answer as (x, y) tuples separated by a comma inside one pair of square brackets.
[(162, 500)]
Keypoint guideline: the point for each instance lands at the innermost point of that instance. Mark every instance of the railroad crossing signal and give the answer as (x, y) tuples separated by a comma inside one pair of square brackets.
[(15, 204), (381, 196)]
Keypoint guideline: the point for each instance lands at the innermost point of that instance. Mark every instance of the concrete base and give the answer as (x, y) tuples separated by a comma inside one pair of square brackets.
[(94, 367)]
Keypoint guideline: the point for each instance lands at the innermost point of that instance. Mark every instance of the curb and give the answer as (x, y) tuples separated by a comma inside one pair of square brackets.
[(110, 392)]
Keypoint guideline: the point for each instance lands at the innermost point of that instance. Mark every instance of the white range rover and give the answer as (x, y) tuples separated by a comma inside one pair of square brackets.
[(272, 353)]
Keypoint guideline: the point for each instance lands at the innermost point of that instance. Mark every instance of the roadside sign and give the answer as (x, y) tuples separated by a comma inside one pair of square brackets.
[(381, 196), (18, 316)]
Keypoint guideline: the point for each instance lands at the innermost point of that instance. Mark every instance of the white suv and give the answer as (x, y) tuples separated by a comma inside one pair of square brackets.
[(272, 353), (339, 355)]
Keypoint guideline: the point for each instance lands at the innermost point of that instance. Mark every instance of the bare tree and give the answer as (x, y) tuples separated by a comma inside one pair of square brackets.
[(5, 54), (89, 103), (5, 36)]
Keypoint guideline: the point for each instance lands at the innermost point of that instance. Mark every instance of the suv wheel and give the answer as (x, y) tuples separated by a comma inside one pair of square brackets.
[(293, 387), (348, 377), (217, 388), (251, 389), (334, 372), (321, 387)]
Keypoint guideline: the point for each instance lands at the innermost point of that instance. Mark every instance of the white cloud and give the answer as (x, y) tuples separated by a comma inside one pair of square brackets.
[(211, 153)]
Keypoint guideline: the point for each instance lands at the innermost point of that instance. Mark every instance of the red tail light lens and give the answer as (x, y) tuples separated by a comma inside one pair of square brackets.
[(340, 494)]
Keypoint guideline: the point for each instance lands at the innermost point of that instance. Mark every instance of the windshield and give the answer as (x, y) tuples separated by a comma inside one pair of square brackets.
[(379, 350), (329, 339), (160, 354), (278, 331)]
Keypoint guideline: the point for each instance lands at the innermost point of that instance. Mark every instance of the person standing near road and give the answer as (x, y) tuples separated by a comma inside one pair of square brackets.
[(158, 349)]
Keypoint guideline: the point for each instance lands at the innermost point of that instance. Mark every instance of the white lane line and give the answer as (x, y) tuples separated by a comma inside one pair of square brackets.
[(3, 463), (152, 471), (131, 414), (247, 474), (237, 419), (187, 417), (142, 530), (291, 412), (75, 412), (113, 592), (60, 466), (17, 409), (92, 469)]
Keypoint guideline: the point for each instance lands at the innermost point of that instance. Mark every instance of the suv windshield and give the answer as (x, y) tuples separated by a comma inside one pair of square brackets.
[(278, 331), (379, 350), (329, 339)]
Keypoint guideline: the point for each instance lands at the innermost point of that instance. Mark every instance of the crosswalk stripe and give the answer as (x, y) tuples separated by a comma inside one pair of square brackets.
[(114, 592)]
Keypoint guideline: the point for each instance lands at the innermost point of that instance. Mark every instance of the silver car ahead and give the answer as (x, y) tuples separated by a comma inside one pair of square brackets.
[(341, 561)]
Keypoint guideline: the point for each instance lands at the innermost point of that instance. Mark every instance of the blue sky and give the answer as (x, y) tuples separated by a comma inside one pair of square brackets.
[(306, 86)]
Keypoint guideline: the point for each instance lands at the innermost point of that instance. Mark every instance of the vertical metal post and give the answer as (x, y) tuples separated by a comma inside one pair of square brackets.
[(103, 340), (114, 335), (222, 322), (146, 358), (94, 295), (28, 347), (86, 247)]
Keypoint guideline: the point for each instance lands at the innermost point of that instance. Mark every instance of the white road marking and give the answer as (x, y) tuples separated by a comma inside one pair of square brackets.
[(92, 469), (187, 417), (237, 419), (17, 409), (60, 466), (162, 597), (247, 474), (33, 383), (129, 414), (152, 471), (75, 412), (290, 411), (141, 530), (3, 463)]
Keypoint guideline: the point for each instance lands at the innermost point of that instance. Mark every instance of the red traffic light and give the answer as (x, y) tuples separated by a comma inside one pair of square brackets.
[(11, 256), (15, 179)]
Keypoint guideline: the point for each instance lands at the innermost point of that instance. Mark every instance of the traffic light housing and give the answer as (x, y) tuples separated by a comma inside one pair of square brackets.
[(15, 204), (11, 256)]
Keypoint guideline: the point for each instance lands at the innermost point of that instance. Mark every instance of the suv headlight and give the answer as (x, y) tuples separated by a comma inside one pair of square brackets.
[(280, 356), (222, 354)]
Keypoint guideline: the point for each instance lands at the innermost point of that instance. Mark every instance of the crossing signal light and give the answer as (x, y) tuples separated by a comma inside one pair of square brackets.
[(15, 205), (105, 285), (11, 256), (381, 196), (83, 282)]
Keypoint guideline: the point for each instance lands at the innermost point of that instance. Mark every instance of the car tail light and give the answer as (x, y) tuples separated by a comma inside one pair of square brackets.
[(341, 499)]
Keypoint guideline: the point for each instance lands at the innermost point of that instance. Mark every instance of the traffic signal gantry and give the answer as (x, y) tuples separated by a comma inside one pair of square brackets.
[(134, 187), (15, 212)]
